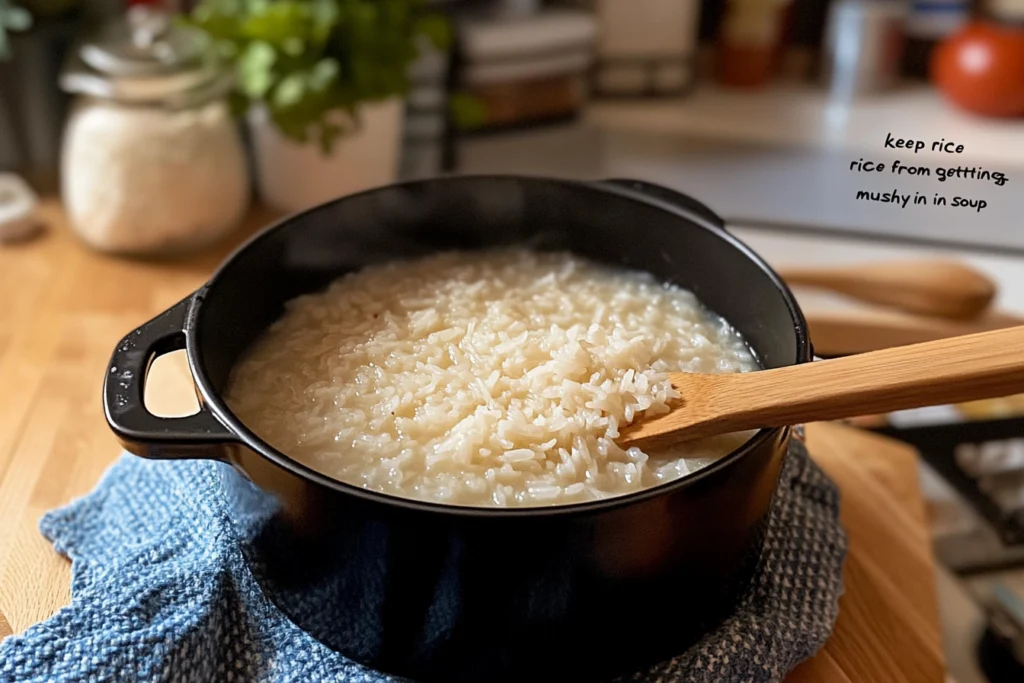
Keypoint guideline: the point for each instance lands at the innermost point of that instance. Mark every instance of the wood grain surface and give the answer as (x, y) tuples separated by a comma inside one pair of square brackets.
[(944, 371), (63, 308)]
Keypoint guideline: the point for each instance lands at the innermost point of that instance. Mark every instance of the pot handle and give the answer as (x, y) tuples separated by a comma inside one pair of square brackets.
[(140, 432), (678, 199)]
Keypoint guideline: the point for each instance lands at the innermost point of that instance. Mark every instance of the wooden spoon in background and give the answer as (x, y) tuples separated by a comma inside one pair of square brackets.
[(953, 370), (842, 332), (940, 288)]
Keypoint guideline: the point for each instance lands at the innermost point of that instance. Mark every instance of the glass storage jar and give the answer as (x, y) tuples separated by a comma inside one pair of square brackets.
[(151, 162)]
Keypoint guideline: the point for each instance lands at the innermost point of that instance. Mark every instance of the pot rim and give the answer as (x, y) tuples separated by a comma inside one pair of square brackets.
[(247, 438)]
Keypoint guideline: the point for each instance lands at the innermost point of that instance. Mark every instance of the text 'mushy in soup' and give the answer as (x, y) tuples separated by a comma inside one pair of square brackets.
[(495, 378)]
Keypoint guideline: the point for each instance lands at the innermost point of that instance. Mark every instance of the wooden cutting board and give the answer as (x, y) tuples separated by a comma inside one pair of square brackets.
[(63, 308)]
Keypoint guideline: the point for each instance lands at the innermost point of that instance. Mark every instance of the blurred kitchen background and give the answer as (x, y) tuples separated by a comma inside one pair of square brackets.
[(158, 125)]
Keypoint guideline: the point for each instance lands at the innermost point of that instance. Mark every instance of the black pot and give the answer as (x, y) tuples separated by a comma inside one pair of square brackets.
[(449, 593)]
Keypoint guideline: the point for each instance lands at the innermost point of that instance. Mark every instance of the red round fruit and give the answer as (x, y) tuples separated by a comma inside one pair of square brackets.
[(981, 68)]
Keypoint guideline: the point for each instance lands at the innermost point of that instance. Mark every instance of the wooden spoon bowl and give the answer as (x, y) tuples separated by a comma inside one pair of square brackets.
[(954, 370)]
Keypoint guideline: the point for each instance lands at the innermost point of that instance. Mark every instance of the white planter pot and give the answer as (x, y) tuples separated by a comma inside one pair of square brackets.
[(293, 176)]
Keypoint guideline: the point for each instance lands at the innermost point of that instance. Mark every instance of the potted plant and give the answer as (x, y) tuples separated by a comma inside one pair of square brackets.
[(320, 83)]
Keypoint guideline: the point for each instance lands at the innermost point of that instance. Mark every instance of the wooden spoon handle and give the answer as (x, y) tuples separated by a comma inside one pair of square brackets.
[(971, 367), (946, 289), (841, 333)]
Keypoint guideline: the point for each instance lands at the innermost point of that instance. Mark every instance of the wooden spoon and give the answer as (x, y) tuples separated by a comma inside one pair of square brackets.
[(842, 332), (967, 368), (940, 288)]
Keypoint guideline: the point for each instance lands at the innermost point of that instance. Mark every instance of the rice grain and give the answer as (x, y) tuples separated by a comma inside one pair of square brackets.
[(493, 378)]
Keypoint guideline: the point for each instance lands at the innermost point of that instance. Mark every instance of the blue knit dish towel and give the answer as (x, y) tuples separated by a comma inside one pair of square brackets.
[(161, 590)]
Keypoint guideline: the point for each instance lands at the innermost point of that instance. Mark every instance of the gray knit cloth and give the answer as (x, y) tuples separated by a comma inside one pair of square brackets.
[(161, 591), (788, 610)]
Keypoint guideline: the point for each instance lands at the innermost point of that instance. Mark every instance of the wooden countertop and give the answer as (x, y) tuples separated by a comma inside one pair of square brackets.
[(63, 308)]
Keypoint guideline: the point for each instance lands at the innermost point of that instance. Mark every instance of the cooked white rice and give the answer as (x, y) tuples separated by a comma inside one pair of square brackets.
[(488, 379)]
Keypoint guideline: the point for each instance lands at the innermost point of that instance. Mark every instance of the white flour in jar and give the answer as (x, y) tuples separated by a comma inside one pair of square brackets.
[(142, 179)]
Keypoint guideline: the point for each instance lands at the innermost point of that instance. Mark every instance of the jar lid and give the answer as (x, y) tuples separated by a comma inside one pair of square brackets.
[(144, 57)]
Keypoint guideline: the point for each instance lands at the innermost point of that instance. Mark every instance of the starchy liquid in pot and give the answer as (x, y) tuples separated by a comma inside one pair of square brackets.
[(495, 378)]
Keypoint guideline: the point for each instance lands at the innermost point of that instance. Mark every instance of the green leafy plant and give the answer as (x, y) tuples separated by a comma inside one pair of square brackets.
[(306, 59), (12, 18)]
